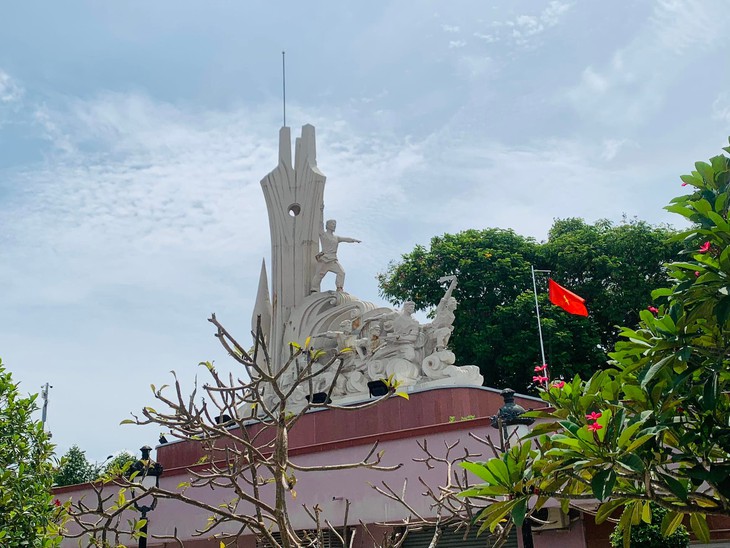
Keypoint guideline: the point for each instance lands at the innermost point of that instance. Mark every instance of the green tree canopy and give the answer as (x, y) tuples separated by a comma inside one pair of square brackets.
[(117, 465), (614, 267), (26, 472), (649, 535), (74, 468)]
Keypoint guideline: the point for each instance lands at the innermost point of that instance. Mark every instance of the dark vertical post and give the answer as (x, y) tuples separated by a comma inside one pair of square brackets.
[(527, 535), (143, 530)]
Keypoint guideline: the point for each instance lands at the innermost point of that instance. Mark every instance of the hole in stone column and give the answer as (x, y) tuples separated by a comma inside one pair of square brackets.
[(294, 210)]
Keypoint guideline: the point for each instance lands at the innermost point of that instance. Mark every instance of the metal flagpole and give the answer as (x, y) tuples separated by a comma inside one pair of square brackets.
[(537, 310)]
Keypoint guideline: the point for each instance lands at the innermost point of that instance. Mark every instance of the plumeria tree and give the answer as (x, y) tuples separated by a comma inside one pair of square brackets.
[(242, 426), (654, 426)]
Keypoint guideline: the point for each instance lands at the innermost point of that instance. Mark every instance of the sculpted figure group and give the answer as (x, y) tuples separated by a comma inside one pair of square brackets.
[(381, 343), (394, 343)]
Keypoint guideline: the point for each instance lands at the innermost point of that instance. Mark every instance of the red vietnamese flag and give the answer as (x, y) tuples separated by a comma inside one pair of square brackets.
[(567, 300)]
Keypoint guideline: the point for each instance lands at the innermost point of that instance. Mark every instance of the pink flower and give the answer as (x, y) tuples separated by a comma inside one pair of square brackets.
[(697, 273), (539, 378), (595, 427), (653, 309), (541, 367), (559, 384), (704, 248), (684, 184), (593, 416)]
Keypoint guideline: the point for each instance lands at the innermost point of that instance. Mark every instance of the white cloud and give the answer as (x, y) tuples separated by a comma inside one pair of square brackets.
[(450, 28), (594, 81), (474, 66), (526, 187), (488, 38), (524, 28), (457, 43), (681, 25), (721, 107), (639, 75), (611, 148), (10, 90)]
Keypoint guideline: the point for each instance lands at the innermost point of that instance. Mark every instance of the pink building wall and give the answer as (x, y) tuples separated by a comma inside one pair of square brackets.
[(335, 437)]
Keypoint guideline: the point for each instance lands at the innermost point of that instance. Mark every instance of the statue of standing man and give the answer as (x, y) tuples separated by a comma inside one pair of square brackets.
[(327, 257)]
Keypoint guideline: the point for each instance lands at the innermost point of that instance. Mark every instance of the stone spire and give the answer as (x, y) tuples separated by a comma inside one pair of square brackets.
[(294, 199)]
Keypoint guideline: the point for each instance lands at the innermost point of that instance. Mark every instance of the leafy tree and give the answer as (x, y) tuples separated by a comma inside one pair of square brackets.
[(649, 535), (26, 472), (614, 267), (119, 464), (74, 468), (654, 426)]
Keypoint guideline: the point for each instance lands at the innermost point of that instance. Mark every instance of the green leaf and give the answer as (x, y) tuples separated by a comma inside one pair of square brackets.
[(519, 511), (671, 521), (208, 365), (698, 523), (627, 433), (632, 462), (481, 471), (678, 488), (625, 523), (709, 400), (607, 509), (638, 442), (705, 169), (499, 468), (646, 512), (654, 370), (603, 483), (494, 513)]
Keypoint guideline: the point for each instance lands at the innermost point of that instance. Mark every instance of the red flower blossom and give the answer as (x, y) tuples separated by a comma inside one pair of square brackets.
[(541, 367), (595, 427), (559, 384), (684, 184), (704, 248), (653, 309), (57, 502), (697, 273), (593, 416), (539, 378)]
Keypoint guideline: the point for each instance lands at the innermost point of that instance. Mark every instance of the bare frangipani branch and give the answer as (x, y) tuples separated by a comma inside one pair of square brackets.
[(241, 426)]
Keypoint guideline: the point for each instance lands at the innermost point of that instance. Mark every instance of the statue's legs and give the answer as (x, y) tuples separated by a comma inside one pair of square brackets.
[(333, 266), (340, 278), (317, 279)]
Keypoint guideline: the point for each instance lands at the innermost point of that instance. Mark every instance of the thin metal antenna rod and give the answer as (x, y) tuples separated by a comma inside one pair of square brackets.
[(283, 82), (44, 397)]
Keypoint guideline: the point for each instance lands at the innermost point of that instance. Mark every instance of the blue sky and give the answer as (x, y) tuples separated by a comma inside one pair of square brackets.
[(133, 136)]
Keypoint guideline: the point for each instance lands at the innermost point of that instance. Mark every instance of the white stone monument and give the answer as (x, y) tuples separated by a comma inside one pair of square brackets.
[(386, 342)]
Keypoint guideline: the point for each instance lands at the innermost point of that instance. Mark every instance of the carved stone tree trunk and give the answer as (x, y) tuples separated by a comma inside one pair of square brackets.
[(294, 198)]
